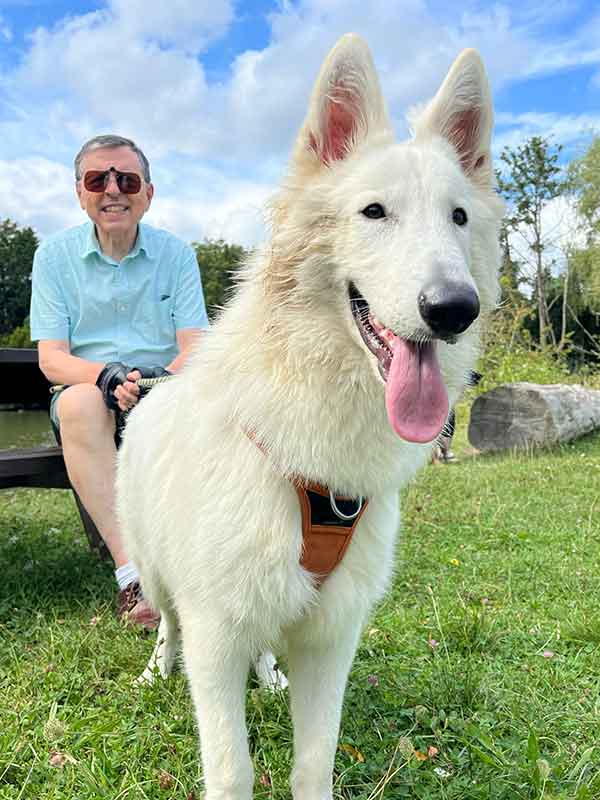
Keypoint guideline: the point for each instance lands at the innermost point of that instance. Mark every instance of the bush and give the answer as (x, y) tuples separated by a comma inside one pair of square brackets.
[(20, 337), (501, 364), (510, 355)]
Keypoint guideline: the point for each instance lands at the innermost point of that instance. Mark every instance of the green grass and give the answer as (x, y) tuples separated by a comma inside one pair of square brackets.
[(478, 677)]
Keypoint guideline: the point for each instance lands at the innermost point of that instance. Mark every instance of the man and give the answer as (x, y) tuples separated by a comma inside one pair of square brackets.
[(112, 299)]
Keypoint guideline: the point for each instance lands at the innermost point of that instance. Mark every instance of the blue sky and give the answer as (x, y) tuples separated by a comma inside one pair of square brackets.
[(214, 90)]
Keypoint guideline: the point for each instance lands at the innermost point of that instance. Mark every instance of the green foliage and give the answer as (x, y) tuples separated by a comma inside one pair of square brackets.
[(511, 268), (585, 268), (584, 262), (510, 355), (17, 247), (502, 364), (584, 174), (218, 262), (19, 337)]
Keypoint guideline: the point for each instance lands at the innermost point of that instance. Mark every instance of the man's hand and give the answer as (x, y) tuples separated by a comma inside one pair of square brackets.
[(118, 384), (111, 381), (128, 393)]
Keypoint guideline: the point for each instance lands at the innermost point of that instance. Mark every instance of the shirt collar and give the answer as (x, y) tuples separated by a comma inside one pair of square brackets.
[(142, 243), (91, 244)]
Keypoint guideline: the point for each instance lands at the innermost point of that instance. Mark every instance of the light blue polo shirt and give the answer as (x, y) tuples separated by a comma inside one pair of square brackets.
[(108, 310)]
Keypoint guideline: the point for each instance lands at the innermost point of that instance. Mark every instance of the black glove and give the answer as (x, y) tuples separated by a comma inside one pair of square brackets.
[(152, 372), (114, 374)]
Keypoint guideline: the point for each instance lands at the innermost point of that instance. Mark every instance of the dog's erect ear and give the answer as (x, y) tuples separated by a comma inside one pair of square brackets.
[(346, 104), (462, 113)]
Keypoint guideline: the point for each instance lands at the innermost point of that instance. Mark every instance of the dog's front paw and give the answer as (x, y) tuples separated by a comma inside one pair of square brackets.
[(147, 678)]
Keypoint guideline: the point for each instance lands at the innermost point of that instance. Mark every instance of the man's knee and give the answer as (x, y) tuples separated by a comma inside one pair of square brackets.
[(82, 412)]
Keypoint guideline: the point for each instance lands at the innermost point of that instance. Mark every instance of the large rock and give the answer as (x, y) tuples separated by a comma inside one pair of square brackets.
[(533, 415)]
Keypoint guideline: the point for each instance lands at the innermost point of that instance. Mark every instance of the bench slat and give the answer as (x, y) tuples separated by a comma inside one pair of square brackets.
[(41, 467)]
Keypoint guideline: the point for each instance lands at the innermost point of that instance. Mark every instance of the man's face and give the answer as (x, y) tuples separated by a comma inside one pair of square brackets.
[(112, 212)]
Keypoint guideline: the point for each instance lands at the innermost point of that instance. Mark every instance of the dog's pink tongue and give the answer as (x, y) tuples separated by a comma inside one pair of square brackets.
[(415, 395)]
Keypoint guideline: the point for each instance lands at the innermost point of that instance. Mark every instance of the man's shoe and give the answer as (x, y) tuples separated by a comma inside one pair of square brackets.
[(133, 609)]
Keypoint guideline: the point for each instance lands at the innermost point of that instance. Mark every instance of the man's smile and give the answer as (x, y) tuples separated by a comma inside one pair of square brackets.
[(114, 208)]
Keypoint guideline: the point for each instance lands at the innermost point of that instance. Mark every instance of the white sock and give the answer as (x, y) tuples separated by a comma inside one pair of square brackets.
[(127, 574)]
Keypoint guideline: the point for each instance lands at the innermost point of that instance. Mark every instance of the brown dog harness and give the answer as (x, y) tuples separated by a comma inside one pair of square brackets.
[(328, 524)]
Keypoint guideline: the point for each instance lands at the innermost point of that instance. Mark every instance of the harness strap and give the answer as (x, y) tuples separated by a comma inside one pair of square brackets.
[(326, 535)]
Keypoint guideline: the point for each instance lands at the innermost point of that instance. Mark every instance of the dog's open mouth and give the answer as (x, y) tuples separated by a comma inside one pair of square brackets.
[(378, 339), (416, 398)]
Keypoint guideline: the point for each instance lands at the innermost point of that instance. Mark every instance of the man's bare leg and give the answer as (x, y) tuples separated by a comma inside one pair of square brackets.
[(87, 429)]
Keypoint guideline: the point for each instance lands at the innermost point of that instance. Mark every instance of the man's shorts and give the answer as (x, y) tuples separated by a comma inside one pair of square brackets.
[(53, 410)]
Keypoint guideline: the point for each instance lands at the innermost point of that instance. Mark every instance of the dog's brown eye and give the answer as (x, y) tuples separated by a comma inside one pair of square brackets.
[(459, 216), (374, 211)]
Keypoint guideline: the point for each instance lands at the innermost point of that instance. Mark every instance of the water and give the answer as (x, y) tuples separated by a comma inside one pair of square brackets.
[(25, 429)]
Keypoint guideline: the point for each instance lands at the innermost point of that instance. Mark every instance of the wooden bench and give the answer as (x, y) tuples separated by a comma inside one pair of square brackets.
[(23, 384)]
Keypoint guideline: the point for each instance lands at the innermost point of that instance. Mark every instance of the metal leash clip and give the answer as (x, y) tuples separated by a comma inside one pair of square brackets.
[(340, 514)]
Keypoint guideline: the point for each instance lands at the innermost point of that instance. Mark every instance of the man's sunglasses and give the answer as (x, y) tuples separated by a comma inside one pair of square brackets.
[(96, 180)]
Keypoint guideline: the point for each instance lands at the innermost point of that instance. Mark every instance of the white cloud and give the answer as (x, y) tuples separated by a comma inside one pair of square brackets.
[(560, 57), (38, 192), (197, 202), (567, 129), (238, 218), (5, 31), (133, 68), (128, 84), (179, 23)]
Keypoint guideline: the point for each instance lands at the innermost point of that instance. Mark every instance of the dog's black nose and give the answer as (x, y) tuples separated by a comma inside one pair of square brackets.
[(448, 308)]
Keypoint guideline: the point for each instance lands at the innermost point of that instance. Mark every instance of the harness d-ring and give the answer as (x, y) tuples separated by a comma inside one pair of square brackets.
[(340, 514)]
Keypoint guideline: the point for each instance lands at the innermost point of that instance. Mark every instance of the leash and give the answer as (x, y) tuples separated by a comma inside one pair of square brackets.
[(143, 383)]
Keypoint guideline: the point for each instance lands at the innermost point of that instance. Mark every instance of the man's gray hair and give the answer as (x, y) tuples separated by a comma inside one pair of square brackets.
[(107, 141)]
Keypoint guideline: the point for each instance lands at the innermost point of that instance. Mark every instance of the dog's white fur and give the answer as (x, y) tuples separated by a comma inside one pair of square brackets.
[(211, 521)]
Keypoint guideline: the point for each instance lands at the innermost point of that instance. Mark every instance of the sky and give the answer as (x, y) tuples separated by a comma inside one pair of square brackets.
[(214, 91)]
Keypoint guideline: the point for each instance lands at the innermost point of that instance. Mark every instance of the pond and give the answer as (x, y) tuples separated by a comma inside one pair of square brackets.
[(25, 429)]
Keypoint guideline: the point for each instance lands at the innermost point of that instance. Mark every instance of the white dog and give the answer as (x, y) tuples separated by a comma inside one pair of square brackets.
[(351, 335)]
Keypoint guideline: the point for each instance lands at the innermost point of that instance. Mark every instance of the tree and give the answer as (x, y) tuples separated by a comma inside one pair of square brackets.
[(584, 177), (511, 268), (218, 262), (579, 321), (584, 259), (531, 180), (17, 246)]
